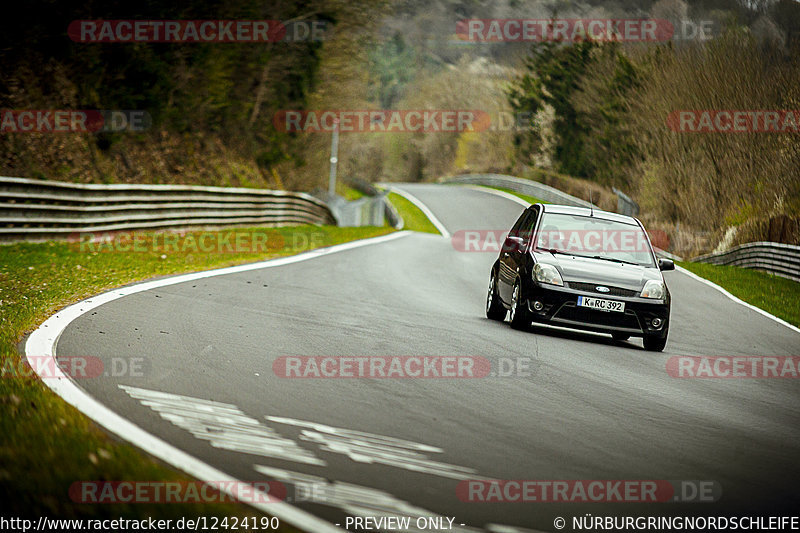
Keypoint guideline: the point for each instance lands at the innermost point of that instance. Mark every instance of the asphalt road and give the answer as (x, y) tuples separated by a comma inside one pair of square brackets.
[(588, 408)]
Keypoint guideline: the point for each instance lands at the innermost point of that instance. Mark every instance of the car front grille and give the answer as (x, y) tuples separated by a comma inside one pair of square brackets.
[(571, 312), (592, 287)]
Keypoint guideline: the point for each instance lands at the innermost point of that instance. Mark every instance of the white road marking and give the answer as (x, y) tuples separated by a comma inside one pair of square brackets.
[(737, 300), (376, 449), (377, 439), (422, 207), (223, 425), (42, 341), (226, 427)]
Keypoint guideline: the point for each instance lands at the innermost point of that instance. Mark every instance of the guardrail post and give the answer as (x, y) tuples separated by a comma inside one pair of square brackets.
[(334, 157)]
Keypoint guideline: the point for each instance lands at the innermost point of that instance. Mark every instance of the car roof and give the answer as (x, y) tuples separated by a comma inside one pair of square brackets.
[(585, 211)]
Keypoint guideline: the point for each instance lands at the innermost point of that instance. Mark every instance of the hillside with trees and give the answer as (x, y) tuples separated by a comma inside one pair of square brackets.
[(594, 111)]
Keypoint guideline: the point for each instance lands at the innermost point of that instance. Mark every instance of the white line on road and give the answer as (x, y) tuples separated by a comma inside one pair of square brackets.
[(737, 300), (370, 448), (223, 425)]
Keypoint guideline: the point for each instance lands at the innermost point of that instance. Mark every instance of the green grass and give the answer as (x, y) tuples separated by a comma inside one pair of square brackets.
[(413, 218), (46, 445), (349, 193), (773, 294)]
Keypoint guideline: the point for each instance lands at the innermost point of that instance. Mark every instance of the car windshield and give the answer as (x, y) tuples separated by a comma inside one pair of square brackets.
[(596, 237)]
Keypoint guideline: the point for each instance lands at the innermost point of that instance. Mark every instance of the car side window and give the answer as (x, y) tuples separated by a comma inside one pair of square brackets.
[(518, 224), (528, 225)]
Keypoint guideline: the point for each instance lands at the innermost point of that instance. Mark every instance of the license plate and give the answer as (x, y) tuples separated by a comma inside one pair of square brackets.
[(602, 305)]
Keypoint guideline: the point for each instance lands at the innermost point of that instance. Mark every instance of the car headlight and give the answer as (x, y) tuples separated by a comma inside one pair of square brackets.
[(654, 289), (544, 273)]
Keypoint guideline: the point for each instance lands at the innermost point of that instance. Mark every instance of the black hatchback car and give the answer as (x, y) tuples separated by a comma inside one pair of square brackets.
[(581, 268)]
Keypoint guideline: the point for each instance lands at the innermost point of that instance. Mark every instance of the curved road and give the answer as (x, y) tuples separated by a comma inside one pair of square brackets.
[(585, 407)]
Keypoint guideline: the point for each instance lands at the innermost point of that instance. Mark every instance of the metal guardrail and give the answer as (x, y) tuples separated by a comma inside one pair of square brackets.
[(528, 187), (779, 259), (625, 204), (366, 211), (389, 212), (392, 215), (39, 210), (369, 210)]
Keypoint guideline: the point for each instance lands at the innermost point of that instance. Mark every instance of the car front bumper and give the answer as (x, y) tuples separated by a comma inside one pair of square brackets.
[(560, 308)]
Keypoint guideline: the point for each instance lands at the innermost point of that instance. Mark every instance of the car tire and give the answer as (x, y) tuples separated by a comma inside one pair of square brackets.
[(494, 307), (620, 336), (655, 344), (520, 316)]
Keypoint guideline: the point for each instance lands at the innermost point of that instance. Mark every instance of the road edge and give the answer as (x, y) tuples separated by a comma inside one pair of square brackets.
[(735, 299)]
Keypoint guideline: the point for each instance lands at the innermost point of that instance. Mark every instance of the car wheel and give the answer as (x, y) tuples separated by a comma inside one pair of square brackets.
[(620, 336), (655, 344), (520, 317), (494, 307)]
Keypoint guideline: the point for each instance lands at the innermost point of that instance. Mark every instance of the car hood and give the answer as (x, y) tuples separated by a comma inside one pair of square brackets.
[(581, 269)]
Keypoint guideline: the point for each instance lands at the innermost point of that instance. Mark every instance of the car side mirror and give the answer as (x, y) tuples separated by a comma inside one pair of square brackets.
[(513, 244), (666, 264)]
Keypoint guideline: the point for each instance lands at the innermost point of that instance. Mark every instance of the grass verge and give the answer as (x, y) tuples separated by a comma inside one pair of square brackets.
[(773, 294), (413, 218), (46, 444), (349, 193)]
